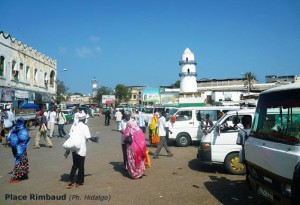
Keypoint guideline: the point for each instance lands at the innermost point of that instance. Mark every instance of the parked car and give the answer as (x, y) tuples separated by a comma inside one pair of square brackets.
[(69, 115), (186, 123), (219, 146)]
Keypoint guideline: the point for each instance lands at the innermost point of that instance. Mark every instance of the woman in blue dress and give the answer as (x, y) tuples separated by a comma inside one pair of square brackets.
[(19, 141)]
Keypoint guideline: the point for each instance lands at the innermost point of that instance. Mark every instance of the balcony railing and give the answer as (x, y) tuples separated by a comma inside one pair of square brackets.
[(187, 62), (188, 74)]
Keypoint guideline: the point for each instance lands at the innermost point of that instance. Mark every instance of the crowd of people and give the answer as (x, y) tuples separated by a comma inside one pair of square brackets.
[(132, 127)]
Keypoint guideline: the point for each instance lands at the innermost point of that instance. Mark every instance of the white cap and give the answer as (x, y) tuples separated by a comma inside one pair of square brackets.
[(82, 116)]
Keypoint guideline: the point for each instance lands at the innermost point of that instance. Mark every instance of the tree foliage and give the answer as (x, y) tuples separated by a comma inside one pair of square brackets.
[(176, 84), (76, 93), (250, 79), (61, 91), (103, 90), (123, 94)]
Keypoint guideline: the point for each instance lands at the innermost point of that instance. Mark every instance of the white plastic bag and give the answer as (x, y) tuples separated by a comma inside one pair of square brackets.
[(73, 143)]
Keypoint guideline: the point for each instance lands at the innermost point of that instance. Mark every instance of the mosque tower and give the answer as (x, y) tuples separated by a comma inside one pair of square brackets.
[(95, 87), (188, 82)]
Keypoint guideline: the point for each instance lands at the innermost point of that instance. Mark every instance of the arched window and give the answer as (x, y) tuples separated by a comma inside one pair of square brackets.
[(35, 75), (46, 79), (2, 60), (52, 78), (27, 74), (14, 69)]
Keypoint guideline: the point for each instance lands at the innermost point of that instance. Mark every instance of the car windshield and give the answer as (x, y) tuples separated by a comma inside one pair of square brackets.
[(148, 110), (277, 117)]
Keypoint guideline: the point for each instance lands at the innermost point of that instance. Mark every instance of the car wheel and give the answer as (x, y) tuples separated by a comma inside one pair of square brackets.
[(233, 165), (183, 140)]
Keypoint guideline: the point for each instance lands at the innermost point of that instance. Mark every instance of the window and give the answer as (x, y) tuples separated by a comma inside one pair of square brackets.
[(2, 60), (21, 71), (35, 75), (27, 74), (52, 76), (184, 115), (233, 123), (14, 70), (277, 117)]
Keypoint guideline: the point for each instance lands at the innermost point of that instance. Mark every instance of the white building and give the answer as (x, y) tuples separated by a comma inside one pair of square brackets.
[(189, 95), (95, 87), (26, 75), (188, 82)]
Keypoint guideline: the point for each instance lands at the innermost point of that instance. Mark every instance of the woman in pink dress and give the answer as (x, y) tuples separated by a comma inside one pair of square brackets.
[(135, 141)]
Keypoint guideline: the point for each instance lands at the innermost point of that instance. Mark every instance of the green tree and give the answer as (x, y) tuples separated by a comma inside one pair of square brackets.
[(103, 90), (76, 93), (250, 79), (61, 91), (122, 93), (176, 84)]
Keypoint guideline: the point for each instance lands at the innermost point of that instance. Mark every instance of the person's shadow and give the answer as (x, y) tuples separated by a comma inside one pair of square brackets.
[(65, 177), (119, 167)]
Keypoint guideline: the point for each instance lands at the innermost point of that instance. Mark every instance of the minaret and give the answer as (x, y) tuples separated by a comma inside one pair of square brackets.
[(188, 82), (94, 83)]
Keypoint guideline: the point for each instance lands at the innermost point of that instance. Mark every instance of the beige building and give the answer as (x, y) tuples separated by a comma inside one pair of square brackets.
[(26, 74), (136, 95)]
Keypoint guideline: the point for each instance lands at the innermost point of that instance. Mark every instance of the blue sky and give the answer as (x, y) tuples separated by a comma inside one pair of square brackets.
[(140, 42)]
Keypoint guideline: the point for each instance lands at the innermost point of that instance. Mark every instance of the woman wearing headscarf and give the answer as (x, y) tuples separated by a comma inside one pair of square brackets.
[(19, 141), (135, 142), (153, 134)]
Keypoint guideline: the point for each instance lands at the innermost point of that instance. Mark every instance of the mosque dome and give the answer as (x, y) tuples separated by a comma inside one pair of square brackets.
[(187, 55)]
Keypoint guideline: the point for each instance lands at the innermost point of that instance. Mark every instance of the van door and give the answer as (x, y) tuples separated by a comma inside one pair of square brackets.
[(225, 143), (185, 122)]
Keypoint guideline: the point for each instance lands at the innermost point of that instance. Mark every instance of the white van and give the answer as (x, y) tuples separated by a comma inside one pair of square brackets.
[(272, 150), (219, 144), (188, 124)]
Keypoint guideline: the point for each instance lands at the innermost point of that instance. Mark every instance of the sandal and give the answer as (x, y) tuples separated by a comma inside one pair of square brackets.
[(79, 185), (70, 185)]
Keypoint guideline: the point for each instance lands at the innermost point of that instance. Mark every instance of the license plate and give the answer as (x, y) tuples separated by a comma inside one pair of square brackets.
[(265, 193)]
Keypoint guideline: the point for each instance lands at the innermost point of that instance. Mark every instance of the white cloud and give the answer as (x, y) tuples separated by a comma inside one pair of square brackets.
[(87, 52), (94, 38), (62, 50)]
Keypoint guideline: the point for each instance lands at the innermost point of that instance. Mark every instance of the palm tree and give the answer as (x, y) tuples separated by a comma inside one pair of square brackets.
[(250, 79)]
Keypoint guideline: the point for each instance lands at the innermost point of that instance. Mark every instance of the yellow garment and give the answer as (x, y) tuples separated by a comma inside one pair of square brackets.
[(153, 123)]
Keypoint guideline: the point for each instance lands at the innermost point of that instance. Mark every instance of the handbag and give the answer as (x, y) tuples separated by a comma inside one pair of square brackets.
[(147, 160), (155, 139), (73, 143)]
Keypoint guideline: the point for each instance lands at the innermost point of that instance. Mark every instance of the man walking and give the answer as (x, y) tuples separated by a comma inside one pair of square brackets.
[(118, 116), (51, 120), (8, 119), (141, 121), (61, 120), (163, 129)]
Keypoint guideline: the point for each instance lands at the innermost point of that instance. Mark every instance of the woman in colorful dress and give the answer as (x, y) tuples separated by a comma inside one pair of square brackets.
[(19, 141), (135, 149), (153, 134)]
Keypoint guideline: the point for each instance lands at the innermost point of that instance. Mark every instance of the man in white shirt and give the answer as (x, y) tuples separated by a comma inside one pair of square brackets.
[(141, 121), (51, 120), (8, 119), (118, 116), (82, 131), (162, 132)]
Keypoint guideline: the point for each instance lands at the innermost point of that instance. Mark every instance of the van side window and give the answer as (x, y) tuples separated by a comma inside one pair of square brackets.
[(232, 124), (184, 115)]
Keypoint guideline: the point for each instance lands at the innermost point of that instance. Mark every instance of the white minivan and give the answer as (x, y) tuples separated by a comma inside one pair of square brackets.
[(219, 144), (187, 123), (272, 149)]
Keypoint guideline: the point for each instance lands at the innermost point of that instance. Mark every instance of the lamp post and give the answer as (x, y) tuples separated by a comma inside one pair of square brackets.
[(247, 76)]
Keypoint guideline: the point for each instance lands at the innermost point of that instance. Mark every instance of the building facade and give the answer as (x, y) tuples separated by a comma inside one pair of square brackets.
[(26, 75)]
